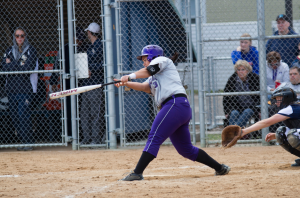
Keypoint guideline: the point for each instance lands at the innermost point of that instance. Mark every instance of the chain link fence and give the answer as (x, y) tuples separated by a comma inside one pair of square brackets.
[(248, 48), (30, 40), (89, 63), (142, 23), (35, 62)]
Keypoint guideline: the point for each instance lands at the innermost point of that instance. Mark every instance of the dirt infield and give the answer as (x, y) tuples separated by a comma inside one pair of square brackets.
[(255, 172)]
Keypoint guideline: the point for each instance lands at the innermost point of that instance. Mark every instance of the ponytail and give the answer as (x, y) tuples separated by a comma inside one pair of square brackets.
[(174, 57)]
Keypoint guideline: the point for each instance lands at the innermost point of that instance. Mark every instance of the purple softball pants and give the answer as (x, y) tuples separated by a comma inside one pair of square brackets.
[(173, 121)]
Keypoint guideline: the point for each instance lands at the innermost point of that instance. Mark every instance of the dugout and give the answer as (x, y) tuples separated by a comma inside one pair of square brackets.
[(41, 20)]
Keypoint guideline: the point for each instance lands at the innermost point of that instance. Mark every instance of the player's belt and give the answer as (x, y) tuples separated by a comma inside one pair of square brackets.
[(171, 97)]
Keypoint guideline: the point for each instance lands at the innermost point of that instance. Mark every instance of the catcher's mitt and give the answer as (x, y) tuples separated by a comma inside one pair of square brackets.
[(230, 135)]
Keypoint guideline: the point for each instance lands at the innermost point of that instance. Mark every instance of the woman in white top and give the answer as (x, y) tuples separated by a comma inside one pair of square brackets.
[(277, 71)]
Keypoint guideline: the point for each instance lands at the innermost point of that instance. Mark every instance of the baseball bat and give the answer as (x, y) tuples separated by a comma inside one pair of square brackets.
[(78, 90)]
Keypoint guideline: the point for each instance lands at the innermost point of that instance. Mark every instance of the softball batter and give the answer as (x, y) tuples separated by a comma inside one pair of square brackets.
[(173, 119)]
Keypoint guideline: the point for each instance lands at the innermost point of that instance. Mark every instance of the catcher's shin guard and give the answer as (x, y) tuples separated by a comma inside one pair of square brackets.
[(283, 141), (293, 138)]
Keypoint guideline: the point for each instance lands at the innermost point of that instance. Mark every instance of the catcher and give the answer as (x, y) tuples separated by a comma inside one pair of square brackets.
[(287, 136)]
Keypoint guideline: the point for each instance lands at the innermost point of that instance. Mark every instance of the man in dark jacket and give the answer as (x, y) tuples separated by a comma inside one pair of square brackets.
[(92, 109), (286, 47)]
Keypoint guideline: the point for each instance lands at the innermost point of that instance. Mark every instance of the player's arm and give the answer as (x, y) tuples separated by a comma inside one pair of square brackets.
[(142, 73), (145, 87), (264, 123)]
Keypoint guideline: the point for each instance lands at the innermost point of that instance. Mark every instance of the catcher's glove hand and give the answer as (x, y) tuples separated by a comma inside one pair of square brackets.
[(230, 135)]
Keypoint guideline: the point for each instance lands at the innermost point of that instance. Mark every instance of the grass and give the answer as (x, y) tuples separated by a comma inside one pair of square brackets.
[(213, 136)]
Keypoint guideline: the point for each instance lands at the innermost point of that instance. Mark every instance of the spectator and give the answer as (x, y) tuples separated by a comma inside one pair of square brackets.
[(246, 52), (294, 84), (93, 102), (239, 109), (54, 80), (277, 71), (286, 47), (19, 87), (296, 62)]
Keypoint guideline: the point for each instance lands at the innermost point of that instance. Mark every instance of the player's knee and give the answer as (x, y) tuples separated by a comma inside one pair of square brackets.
[(187, 154), (293, 138), (285, 143), (280, 135)]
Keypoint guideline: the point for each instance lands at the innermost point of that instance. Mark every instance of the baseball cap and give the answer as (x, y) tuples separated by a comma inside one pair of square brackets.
[(93, 27), (282, 16)]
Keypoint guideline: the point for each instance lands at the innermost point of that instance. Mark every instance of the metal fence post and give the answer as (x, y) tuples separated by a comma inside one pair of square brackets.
[(119, 62), (72, 74), (192, 68), (110, 73), (200, 72), (62, 57), (213, 86), (209, 88), (262, 65)]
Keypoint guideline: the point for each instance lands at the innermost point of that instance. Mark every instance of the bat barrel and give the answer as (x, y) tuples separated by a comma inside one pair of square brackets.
[(78, 90)]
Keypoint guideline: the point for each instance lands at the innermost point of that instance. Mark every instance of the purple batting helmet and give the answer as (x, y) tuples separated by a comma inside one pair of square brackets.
[(151, 51)]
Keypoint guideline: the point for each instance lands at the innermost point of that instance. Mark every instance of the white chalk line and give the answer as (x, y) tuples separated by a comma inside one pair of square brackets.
[(10, 176), (93, 190), (160, 168)]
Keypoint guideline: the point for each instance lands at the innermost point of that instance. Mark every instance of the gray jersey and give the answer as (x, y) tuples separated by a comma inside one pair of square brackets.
[(166, 82)]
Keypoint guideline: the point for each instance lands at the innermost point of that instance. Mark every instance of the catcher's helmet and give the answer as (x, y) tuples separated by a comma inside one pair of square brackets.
[(288, 96), (152, 52)]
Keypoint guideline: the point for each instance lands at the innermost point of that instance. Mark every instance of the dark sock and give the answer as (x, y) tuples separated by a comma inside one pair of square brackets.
[(204, 158), (145, 159)]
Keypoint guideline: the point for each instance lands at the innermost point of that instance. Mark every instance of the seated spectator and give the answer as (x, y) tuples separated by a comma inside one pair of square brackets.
[(19, 87), (277, 71), (296, 62), (240, 108), (294, 83), (246, 52), (286, 47)]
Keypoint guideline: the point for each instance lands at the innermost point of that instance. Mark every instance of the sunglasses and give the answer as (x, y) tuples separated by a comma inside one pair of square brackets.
[(20, 35)]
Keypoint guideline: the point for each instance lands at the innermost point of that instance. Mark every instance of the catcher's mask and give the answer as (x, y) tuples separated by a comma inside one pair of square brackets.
[(152, 52), (288, 96)]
